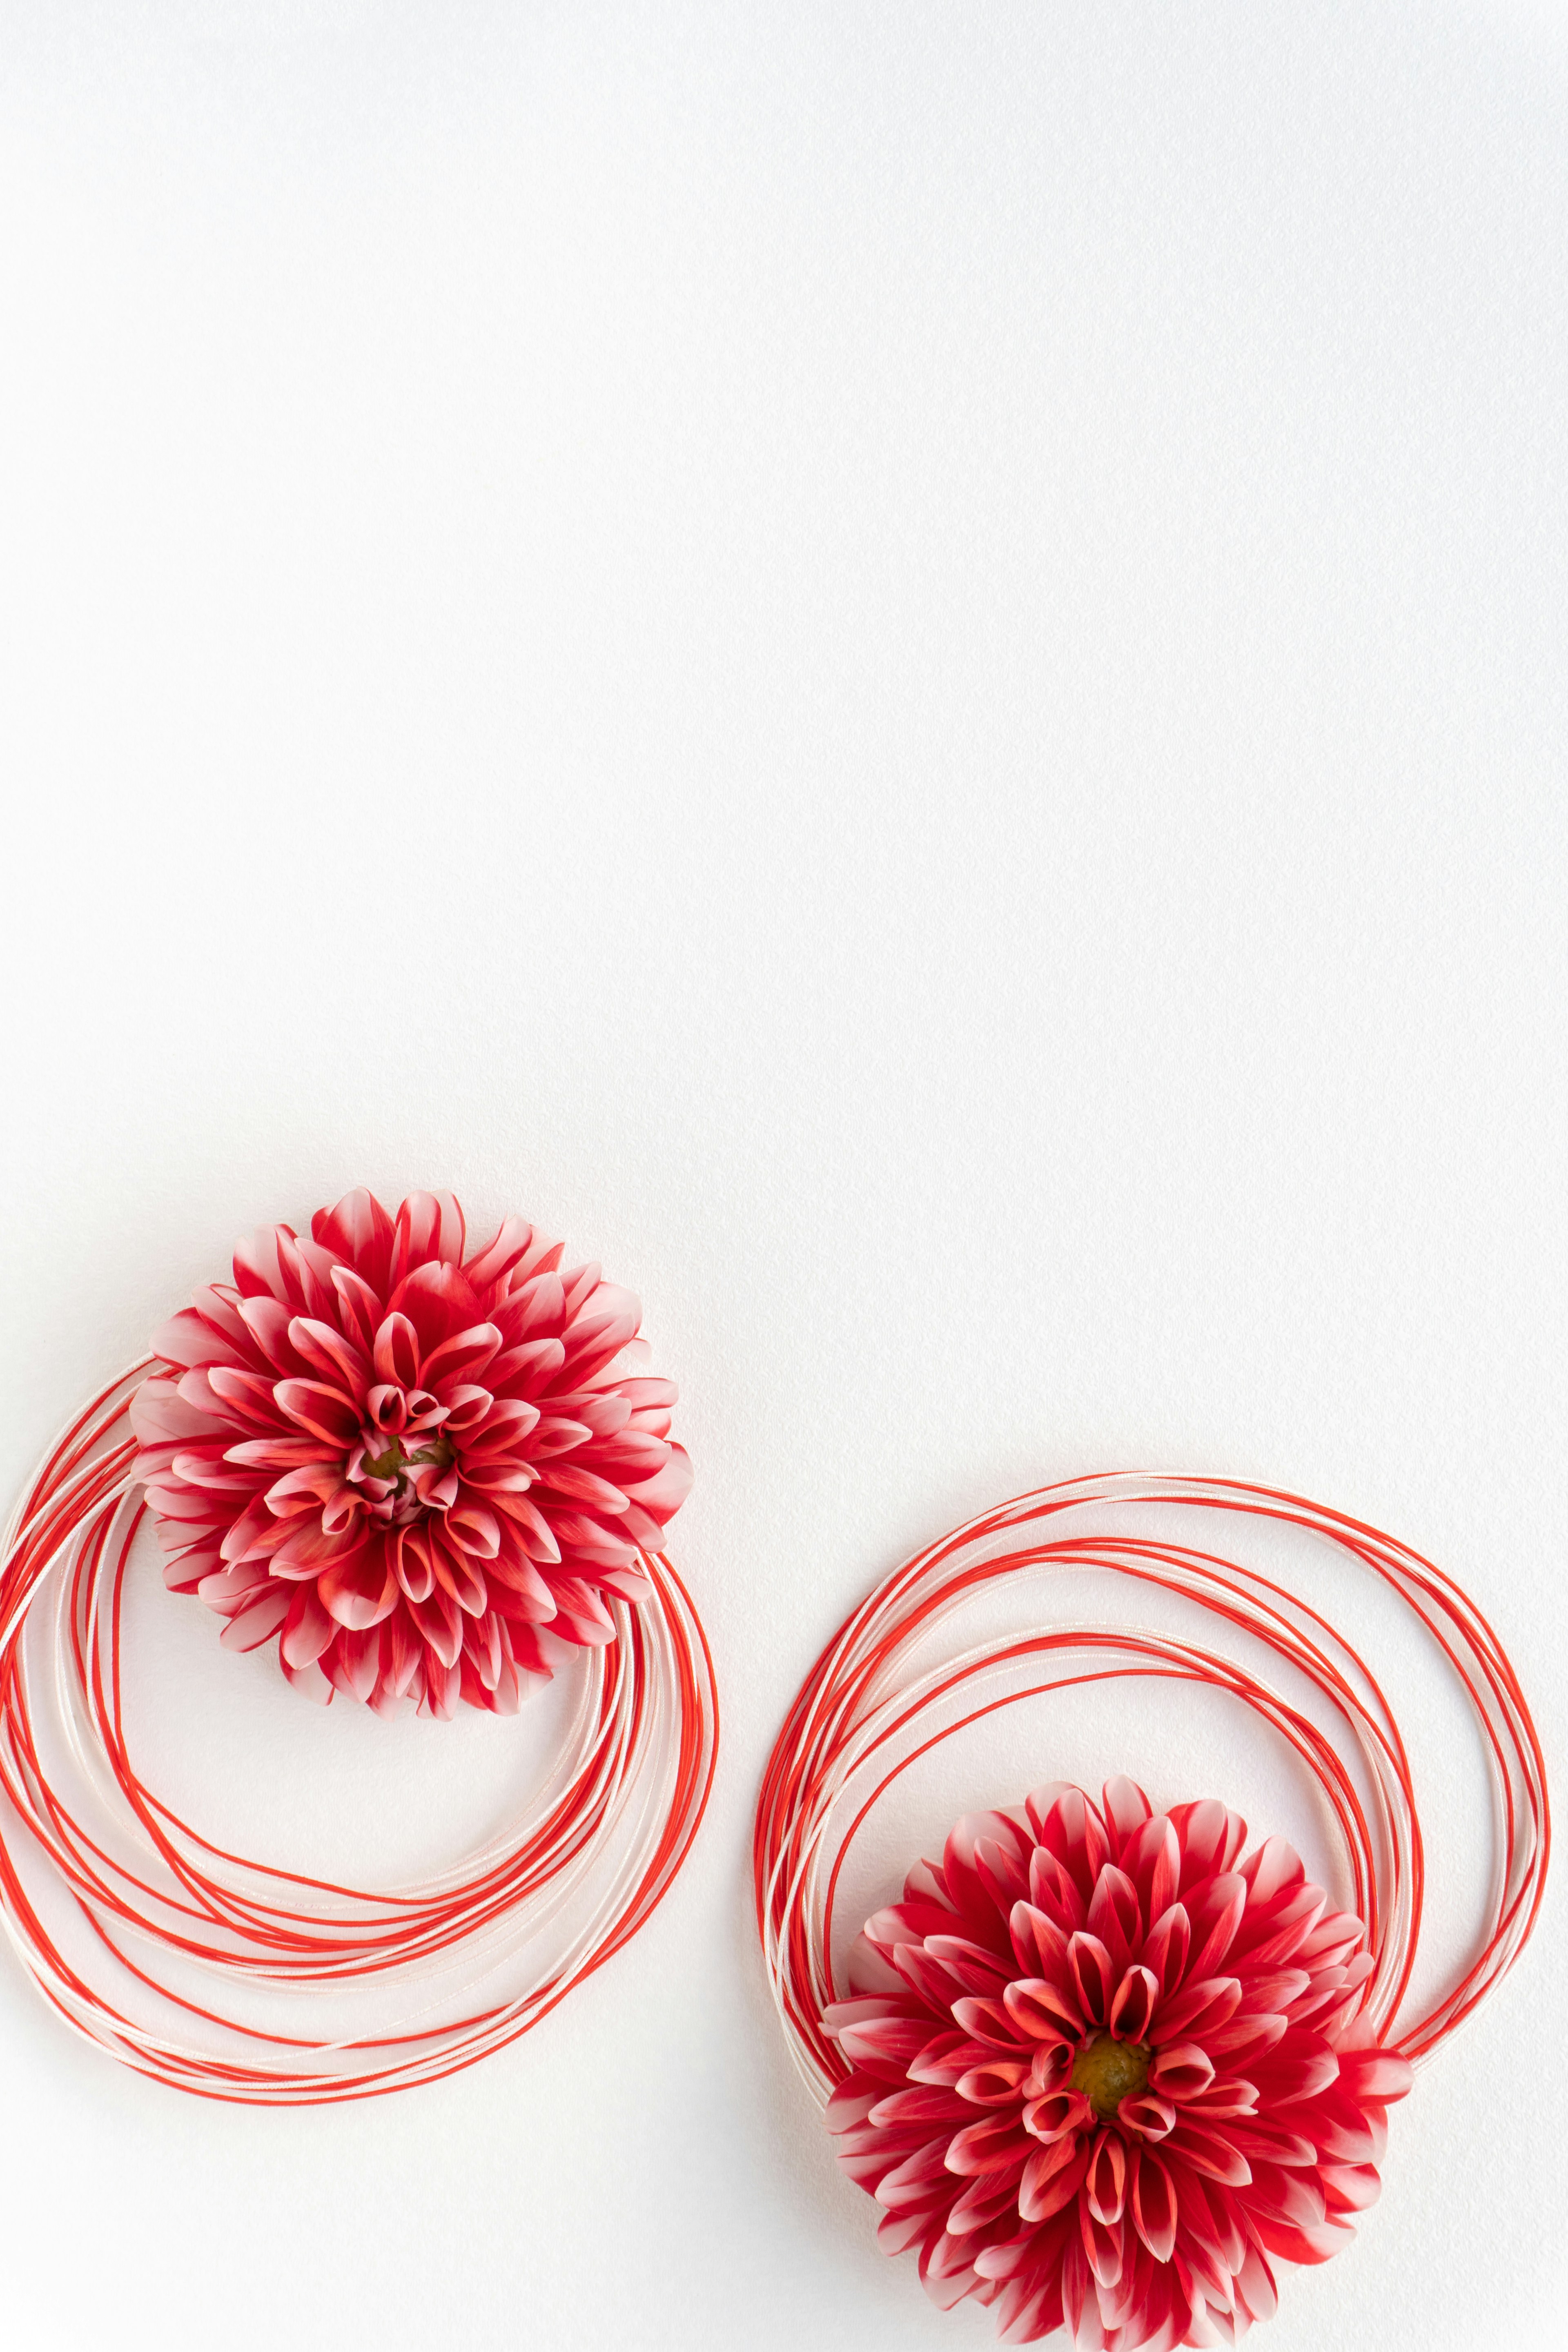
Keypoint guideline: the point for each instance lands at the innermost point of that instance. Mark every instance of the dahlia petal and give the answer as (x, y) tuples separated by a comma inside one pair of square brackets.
[(1072, 1830), (396, 1351), (1049, 2068), (1091, 1979), (994, 2083), (257, 1622), (1133, 2005), (1216, 1914), (1299, 2068), (428, 1225), (225, 1588), (360, 1591), (919, 2105), (1028, 2311), (1101, 2245), (987, 2021), (1211, 1839), (329, 1352), (1167, 1944), (580, 1613), (1115, 1917), (988, 2195), (1150, 2116), (1125, 1809), (359, 1309), (923, 1975), (290, 1453), (185, 1571), (309, 1682), (467, 1409), (353, 1662), (1203, 2233), (1270, 2141), (440, 1622), (1038, 1944), (306, 1550), (411, 1564), (308, 1628), (483, 1650), (1349, 2188), (1153, 2205), (908, 2183), (1054, 1890), (443, 1686), (904, 2229), (1105, 2184), (158, 1414), (1274, 1866), (581, 1486), (1227, 2097), (538, 1650), (187, 1339), (1314, 2245), (516, 1588), (1002, 1867), (267, 1321), (256, 1533), (990, 2146), (1255, 2289), (1044, 2011), (625, 1584), (1203, 2003), (1057, 2115), (1295, 2197), (306, 1489), (1336, 1935), (471, 1528), (946, 2271), (1341, 2132), (327, 1413), (1211, 2153), (886, 2047), (456, 1575), (662, 1495), (498, 1257), (1152, 1860), (1051, 2179), (1375, 2074), (242, 1398), (1291, 1929), (975, 1970), (1181, 2069), (457, 1361), (172, 1500), (594, 1340)]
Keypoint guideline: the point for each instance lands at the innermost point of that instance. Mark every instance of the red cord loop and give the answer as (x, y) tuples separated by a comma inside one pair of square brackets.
[(862, 1717), (614, 1826)]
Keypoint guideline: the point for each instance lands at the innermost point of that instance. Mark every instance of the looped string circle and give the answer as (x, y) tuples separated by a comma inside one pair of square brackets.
[(604, 1837), (863, 1712)]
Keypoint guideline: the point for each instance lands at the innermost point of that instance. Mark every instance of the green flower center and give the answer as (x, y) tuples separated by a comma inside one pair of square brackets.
[(1107, 2072)]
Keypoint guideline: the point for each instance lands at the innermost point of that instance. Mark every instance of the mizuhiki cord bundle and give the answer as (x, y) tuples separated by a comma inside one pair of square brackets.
[(1097, 2067), (428, 1538)]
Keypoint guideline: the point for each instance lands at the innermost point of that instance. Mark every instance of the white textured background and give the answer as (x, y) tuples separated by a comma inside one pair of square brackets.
[(904, 667)]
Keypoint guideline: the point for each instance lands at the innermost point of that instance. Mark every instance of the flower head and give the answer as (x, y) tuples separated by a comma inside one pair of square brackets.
[(1103, 2068), (425, 1470)]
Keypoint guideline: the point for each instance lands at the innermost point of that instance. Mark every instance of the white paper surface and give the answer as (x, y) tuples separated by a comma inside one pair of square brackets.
[(903, 668)]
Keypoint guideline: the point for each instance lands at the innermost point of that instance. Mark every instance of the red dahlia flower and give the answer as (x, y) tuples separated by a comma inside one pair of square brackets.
[(425, 1472), (1103, 2070)]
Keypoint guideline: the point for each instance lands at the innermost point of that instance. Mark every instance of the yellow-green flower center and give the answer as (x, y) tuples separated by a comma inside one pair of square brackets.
[(1107, 2072)]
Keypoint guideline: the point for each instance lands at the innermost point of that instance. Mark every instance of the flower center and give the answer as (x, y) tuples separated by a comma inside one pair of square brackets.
[(1107, 2072), (402, 1466)]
